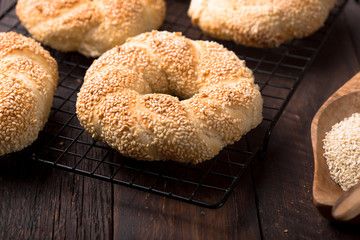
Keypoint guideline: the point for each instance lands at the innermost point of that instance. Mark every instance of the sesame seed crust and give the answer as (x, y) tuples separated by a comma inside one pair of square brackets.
[(28, 78), (259, 23), (89, 26), (161, 96)]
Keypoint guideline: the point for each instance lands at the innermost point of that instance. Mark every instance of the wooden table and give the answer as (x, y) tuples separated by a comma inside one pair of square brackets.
[(272, 201)]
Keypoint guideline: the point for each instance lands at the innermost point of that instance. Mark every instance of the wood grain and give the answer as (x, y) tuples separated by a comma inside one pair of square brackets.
[(272, 201), (288, 170), (39, 202), (137, 215), (352, 21)]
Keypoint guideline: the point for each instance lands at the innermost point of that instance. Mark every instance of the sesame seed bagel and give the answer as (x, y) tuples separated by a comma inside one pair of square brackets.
[(161, 96), (259, 23), (28, 78), (89, 26)]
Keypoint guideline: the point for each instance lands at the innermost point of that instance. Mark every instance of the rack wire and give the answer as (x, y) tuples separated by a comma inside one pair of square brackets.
[(64, 144)]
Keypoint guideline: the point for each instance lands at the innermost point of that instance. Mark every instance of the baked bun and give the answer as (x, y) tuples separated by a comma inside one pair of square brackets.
[(259, 23), (161, 96), (28, 78), (89, 26)]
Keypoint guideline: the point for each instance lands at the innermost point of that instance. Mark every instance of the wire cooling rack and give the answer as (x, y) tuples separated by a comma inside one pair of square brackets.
[(64, 144)]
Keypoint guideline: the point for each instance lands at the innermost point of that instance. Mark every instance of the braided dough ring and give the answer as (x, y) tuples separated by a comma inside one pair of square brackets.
[(126, 99), (259, 23), (28, 78), (89, 26)]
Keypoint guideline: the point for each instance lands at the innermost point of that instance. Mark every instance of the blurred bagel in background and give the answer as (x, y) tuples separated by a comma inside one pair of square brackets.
[(259, 23), (89, 26)]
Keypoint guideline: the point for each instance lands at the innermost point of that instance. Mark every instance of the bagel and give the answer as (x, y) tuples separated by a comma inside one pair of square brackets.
[(89, 26), (28, 78), (259, 23), (161, 96)]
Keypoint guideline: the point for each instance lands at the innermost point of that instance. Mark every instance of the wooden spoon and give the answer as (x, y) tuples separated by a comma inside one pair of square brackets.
[(343, 103)]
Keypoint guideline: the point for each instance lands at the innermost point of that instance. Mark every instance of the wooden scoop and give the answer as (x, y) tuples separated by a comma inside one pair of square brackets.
[(343, 103), (347, 207)]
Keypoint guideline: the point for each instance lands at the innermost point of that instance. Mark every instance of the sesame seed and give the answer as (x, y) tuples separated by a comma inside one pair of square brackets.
[(28, 77), (342, 151), (90, 27), (260, 23), (175, 103)]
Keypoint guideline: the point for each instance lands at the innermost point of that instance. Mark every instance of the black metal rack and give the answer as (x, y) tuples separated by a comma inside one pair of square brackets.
[(64, 144)]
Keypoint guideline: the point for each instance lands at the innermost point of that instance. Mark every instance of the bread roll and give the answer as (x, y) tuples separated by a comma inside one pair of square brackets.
[(88, 26), (161, 96), (259, 23), (28, 78)]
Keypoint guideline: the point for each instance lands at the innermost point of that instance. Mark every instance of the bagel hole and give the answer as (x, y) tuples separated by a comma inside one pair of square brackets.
[(178, 94)]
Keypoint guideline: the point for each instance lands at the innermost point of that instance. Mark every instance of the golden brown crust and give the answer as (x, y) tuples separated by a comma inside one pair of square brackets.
[(261, 23), (89, 26), (28, 78), (126, 98)]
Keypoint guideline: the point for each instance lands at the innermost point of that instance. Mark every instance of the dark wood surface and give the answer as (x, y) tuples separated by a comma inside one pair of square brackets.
[(272, 201)]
